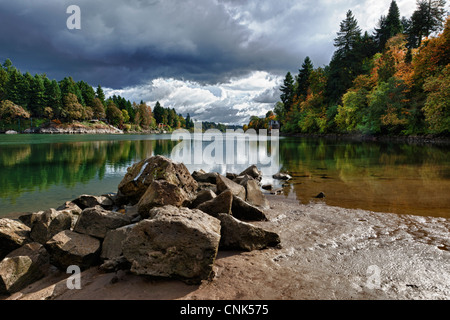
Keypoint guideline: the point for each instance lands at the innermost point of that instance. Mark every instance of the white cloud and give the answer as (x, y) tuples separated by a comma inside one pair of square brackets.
[(232, 102)]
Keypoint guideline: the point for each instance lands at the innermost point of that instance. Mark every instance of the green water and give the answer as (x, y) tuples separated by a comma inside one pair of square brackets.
[(43, 171)]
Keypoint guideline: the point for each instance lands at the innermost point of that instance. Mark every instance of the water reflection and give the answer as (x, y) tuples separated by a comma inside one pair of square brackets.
[(38, 172)]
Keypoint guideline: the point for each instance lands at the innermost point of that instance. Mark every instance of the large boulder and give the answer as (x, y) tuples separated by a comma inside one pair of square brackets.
[(49, 223), (13, 234), (220, 204), (71, 248), (97, 222), (140, 176), (161, 193), (223, 183), (238, 235), (242, 210), (22, 267), (175, 242)]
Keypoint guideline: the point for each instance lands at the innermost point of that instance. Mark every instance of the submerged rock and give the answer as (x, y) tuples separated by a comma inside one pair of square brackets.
[(282, 176)]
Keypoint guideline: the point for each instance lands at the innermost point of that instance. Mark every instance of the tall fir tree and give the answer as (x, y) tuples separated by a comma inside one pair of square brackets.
[(287, 89), (303, 77)]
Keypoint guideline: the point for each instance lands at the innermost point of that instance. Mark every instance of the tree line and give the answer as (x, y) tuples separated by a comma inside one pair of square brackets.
[(395, 81), (24, 96)]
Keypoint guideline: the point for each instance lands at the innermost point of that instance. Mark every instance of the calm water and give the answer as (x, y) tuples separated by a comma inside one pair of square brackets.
[(43, 171)]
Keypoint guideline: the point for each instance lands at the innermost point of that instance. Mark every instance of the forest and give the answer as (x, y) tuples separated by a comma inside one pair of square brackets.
[(36, 100), (395, 81)]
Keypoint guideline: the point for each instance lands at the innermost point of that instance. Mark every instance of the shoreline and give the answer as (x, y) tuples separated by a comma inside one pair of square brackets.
[(327, 253), (413, 139)]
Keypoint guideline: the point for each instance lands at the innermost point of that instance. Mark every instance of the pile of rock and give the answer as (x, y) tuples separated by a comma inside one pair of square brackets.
[(162, 222)]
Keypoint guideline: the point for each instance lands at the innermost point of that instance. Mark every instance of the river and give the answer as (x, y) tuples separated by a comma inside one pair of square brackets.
[(38, 172)]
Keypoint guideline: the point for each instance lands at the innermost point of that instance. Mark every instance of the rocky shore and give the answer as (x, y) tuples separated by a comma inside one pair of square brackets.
[(169, 234)]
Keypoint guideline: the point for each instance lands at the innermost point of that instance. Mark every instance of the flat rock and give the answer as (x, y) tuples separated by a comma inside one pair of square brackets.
[(13, 234), (72, 248), (238, 235), (220, 204), (176, 243), (97, 222), (202, 176)]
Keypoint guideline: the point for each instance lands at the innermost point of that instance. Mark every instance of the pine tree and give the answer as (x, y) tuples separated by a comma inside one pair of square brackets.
[(303, 77), (100, 94), (348, 35), (287, 89), (429, 17)]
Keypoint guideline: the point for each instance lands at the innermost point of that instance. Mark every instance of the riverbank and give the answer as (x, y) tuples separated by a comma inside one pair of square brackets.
[(327, 253), (414, 139)]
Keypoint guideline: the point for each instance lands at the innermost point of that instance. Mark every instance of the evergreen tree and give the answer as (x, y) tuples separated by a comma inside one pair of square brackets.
[(287, 89), (346, 63), (37, 101), (158, 113), (100, 94), (87, 92), (429, 17), (54, 97), (388, 26), (303, 77)]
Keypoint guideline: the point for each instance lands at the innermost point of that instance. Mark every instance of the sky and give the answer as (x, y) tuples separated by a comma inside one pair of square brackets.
[(218, 60)]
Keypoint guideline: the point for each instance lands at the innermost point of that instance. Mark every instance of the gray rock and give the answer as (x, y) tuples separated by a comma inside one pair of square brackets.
[(71, 248), (220, 204), (70, 207), (244, 211), (255, 195), (202, 196), (49, 223), (29, 218), (112, 244), (88, 201), (202, 176), (253, 172), (13, 235), (238, 235), (97, 222), (224, 183), (140, 176), (161, 193), (22, 267), (176, 243)]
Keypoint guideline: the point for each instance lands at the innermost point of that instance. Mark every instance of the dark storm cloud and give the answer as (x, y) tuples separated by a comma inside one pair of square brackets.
[(123, 42)]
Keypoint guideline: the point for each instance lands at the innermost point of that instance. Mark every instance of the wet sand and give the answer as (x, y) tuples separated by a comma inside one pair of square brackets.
[(327, 253)]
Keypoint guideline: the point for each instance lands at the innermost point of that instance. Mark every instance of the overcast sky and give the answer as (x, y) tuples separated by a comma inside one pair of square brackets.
[(219, 60)]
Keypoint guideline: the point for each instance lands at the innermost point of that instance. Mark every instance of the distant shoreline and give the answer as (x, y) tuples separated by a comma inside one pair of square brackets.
[(426, 139)]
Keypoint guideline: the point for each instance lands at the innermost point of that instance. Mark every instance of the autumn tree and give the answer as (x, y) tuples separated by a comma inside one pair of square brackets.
[(10, 111), (98, 109), (72, 109), (113, 114)]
